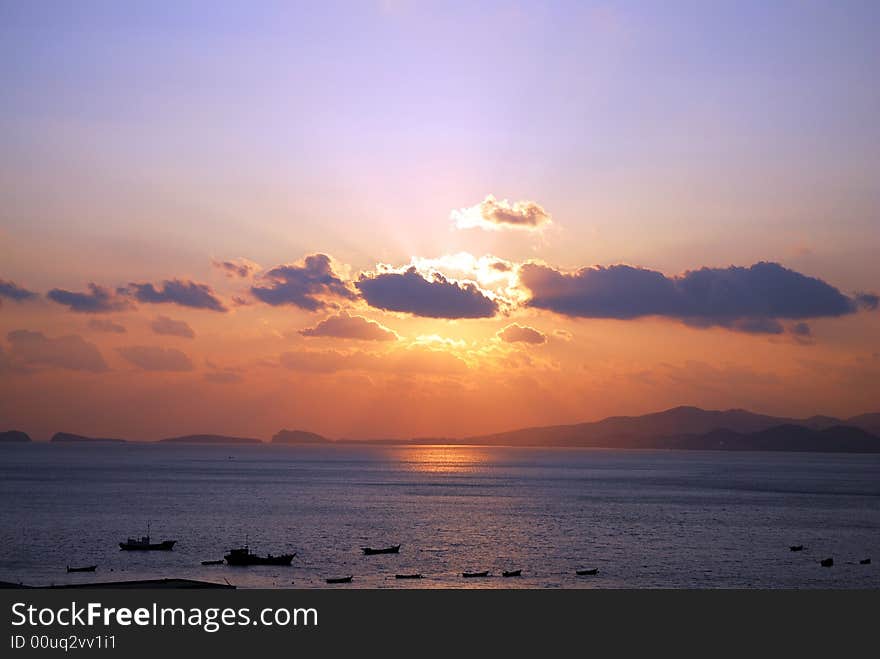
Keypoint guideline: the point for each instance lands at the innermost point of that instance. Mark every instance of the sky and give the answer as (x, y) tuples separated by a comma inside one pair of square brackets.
[(395, 219)]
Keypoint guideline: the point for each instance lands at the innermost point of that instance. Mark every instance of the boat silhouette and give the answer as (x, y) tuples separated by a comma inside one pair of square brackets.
[(144, 544), (339, 579), (590, 572), (85, 568), (369, 551), (216, 562), (865, 561), (826, 562), (512, 573), (474, 575), (407, 576), (243, 557), (796, 548)]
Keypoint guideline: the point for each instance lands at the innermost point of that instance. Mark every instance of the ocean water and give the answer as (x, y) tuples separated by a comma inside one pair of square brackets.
[(646, 519)]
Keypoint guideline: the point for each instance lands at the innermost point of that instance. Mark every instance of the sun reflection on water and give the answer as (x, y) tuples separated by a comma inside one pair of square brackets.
[(444, 459)]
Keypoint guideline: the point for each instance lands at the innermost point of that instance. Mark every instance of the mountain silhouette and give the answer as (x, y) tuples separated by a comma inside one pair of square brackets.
[(692, 428)]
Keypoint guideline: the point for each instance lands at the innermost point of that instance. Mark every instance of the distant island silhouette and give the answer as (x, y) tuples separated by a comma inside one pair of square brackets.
[(683, 428)]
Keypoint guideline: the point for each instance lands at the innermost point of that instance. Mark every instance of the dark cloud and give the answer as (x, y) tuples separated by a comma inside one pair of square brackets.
[(154, 358), (177, 291), (72, 352), (12, 291), (801, 329), (303, 286), (515, 333), (868, 301), (345, 326), (241, 268), (439, 297), (97, 300), (169, 327), (746, 299), (101, 325)]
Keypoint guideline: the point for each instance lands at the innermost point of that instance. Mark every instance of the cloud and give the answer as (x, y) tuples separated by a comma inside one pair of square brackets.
[(801, 329), (154, 358), (439, 297), (304, 286), (169, 327), (177, 291), (515, 333), (101, 325), (494, 215), (563, 334), (240, 267), (746, 299), (70, 352), (97, 300), (867, 301), (345, 326), (12, 291)]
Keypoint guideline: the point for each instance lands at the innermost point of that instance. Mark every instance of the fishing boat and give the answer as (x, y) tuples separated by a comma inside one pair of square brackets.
[(474, 575), (590, 572), (144, 544), (217, 562), (865, 561), (85, 568), (369, 551), (339, 579), (407, 576), (243, 556), (826, 562), (796, 548), (512, 573)]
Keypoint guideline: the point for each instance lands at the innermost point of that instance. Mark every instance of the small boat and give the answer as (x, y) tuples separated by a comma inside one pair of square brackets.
[(144, 544), (474, 575), (826, 562), (796, 548), (865, 561), (585, 573), (243, 557), (407, 576), (369, 551), (217, 562), (512, 573), (340, 579), (85, 568)]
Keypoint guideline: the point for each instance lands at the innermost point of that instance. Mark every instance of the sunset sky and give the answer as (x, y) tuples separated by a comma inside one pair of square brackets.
[(388, 219)]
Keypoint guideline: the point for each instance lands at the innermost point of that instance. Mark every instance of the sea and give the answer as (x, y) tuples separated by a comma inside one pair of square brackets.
[(644, 519)]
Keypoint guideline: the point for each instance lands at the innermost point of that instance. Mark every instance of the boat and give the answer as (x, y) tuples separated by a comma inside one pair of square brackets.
[(865, 561), (85, 568), (144, 544), (590, 572), (407, 576), (796, 548), (243, 556), (826, 562), (369, 551), (217, 562), (339, 579), (512, 573), (474, 575)]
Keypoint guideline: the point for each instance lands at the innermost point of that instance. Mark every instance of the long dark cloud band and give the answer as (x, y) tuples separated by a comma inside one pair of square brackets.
[(751, 299)]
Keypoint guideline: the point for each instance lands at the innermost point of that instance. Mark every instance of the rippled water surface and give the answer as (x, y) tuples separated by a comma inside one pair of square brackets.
[(646, 519)]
